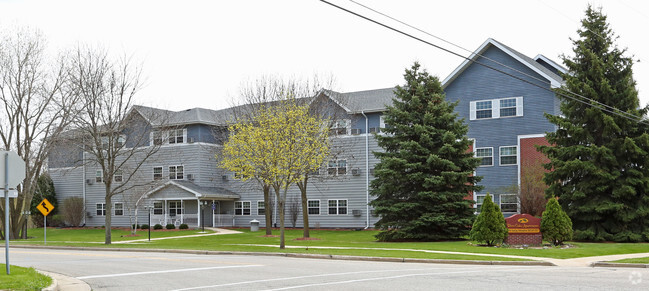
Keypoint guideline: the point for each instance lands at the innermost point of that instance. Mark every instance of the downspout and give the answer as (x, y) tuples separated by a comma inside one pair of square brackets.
[(367, 171), (83, 191)]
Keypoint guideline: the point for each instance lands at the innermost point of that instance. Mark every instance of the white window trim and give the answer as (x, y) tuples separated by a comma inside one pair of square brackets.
[(500, 202), (495, 108), (381, 122), (500, 156), (475, 153), (338, 206), (476, 201), (242, 208), (115, 209), (176, 202), (337, 167), (161, 208), (176, 172), (120, 174), (162, 174), (99, 176), (261, 202), (319, 207), (103, 209)]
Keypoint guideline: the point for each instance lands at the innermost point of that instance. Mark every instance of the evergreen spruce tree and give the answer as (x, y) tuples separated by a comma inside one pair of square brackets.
[(555, 223), (490, 226), (425, 171), (599, 161)]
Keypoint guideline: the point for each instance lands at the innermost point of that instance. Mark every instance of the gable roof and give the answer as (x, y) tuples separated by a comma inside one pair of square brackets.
[(362, 101), (550, 62), (158, 117), (554, 79), (198, 191)]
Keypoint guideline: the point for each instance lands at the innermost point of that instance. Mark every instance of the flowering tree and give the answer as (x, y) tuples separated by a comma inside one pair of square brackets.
[(278, 146)]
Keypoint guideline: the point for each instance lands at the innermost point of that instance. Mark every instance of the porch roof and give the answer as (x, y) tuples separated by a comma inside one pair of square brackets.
[(199, 192)]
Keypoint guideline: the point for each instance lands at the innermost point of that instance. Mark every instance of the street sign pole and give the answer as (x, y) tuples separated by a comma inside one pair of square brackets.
[(45, 230), (45, 207), (7, 211)]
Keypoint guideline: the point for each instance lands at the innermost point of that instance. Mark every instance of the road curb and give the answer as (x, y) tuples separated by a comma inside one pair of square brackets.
[(618, 265), (54, 286), (299, 255)]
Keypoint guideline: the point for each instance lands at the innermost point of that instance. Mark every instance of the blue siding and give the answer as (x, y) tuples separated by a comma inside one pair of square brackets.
[(480, 83), (358, 121), (201, 133)]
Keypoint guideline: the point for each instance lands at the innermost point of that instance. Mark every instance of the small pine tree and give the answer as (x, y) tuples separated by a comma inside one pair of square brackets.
[(556, 226), (490, 226), (425, 171)]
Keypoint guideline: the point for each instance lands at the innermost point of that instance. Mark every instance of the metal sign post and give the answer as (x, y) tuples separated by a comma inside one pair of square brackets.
[(10, 178), (45, 207), (6, 187)]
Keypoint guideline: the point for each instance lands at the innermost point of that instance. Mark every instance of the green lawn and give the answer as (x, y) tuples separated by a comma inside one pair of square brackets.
[(328, 238), (644, 260), (22, 279)]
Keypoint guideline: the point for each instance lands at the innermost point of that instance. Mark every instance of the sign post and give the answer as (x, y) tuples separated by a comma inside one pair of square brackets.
[(45, 207), (10, 177)]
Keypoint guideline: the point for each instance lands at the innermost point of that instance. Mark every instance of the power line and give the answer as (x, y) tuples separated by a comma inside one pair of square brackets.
[(612, 110), (631, 116)]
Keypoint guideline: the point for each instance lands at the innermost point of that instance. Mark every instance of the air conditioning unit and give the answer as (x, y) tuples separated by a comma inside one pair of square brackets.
[(356, 131), (356, 212), (190, 177), (375, 130), (356, 172), (224, 177), (90, 181), (190, 140)]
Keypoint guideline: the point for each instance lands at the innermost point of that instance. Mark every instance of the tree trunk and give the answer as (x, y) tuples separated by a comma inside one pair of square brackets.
[(109, 217), (267, 210), (305, 208), (282, 242)]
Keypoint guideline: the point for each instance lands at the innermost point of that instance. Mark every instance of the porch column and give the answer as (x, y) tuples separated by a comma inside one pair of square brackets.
[(166, 210), (198, 211), (182, 210)]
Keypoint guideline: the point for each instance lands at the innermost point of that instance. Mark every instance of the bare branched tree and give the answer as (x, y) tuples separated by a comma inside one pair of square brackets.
[(114, 133), (268, 91), (35, 110)]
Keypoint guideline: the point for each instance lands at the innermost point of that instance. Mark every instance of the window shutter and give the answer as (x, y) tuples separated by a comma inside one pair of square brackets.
[(495, 108), (472, 110), (519, 106)]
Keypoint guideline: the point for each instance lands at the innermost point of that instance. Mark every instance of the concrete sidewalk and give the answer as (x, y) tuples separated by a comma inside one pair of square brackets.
[(217, 231)]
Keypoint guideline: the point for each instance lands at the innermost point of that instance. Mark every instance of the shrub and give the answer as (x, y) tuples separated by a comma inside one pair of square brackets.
[(135, 226), (556, 226), (183, 226), (72, 210), (56, 220), (490, 226), (157, 226), (170, 226), (144, 226)]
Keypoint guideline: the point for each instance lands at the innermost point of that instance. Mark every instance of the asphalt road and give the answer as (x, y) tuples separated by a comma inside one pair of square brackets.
[(108, 270)]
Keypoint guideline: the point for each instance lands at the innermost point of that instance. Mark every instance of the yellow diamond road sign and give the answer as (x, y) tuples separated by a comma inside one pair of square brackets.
[(45, 207)]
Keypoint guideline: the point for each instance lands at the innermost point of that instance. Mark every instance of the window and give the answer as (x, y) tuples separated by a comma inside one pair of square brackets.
[(157, 208), (508, 107), (508, 203), (483, 109), (101, 209), (508, 156), (339, 127), (261, 208), (479, 200), (242, 208), (157, 137), (337, 167), (176, 136), (99, 176), (118, 176), (496, 108), (157, 173), (313, 207), (176, 208), (119, 209), (337, 207), (381, 122), (486, 155), (176, 172)]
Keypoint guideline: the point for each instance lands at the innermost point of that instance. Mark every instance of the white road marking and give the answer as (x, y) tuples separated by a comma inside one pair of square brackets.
[(164, 271), (381, 278), (332, 274)]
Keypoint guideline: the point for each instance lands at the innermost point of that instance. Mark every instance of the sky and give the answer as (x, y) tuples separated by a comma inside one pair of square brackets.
[(200, 53)]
